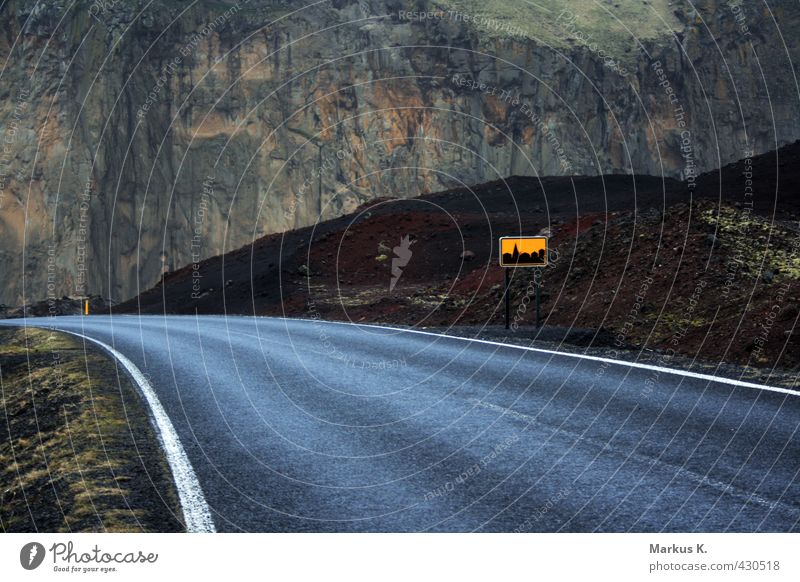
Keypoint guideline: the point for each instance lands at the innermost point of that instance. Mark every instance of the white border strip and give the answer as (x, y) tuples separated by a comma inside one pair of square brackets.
[(196, 511), (708, 377)]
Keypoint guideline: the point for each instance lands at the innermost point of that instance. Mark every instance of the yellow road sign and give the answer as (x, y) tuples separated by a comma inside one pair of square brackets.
[(523, 251)]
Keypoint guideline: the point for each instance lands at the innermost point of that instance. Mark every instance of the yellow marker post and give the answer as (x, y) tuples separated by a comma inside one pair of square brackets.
[(86, 308)]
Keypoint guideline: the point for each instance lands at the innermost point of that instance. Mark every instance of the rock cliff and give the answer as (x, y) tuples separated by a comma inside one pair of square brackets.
[(141, 136)]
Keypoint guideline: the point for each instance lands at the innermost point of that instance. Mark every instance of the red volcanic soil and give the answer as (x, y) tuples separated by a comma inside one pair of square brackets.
[(677, 281), (710, 273)]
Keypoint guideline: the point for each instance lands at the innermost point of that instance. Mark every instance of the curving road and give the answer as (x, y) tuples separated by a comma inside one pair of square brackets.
[(309, 426)]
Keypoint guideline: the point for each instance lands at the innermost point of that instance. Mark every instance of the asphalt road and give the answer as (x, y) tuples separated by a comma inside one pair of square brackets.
[(310, 426)]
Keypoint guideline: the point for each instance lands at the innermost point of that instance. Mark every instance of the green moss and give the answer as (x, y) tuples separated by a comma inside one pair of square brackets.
[(613, 26), (759, 244)]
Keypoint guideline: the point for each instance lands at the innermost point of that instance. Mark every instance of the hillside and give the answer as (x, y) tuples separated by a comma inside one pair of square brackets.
[(712, 270)]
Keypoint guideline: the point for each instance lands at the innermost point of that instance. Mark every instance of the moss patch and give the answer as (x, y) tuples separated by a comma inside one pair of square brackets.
[(613, 27), (760, 244), (77, 451)]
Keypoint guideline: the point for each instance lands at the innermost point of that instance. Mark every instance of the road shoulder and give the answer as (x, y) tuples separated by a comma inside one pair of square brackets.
[(78, 451)]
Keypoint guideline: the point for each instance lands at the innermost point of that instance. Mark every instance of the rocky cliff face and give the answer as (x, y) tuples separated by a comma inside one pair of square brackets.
[(142, 136)]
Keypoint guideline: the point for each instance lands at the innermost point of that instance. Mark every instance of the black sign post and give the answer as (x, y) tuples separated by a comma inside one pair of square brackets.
[(508, 296)]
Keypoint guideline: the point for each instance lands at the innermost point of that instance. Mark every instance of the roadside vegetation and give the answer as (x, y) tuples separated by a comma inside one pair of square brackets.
[(77, 451)]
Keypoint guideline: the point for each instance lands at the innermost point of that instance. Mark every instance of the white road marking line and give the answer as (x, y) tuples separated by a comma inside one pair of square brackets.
[(196, 511), (639, 365)]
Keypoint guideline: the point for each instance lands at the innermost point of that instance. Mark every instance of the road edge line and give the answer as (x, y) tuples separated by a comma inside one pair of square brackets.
[(196, 511), (696, 375)]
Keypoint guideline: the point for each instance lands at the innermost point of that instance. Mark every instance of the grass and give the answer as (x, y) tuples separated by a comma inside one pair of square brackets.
[(615, 25), (77, 451)]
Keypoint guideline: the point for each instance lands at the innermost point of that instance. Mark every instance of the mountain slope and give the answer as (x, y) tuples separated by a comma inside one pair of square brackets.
[(143, 136), (699, 274)]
